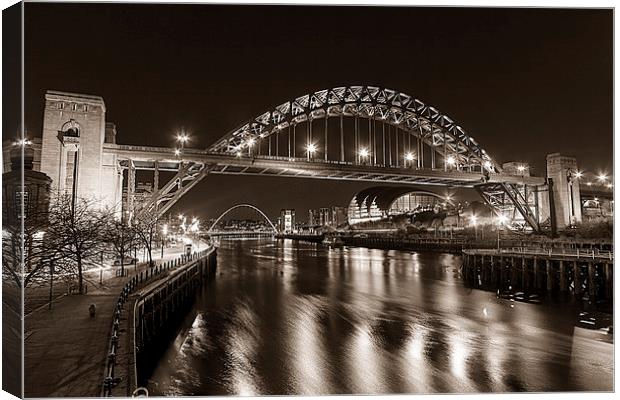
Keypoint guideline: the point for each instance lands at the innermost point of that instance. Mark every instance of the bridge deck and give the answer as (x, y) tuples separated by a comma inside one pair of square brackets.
[(144, 157)]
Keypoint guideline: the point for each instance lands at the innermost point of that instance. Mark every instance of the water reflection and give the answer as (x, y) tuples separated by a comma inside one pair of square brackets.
[(289, 318)]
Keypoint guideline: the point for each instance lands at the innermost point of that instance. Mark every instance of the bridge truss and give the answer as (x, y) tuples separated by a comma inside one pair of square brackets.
[(391, 137)]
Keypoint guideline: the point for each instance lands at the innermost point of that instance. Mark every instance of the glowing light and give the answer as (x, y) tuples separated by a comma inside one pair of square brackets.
[(589, 183), (502, 219), (487, 164), (164, 229), (609, 186), (181, 216), (182, 138), (409, 157), (177, 152), (238, 154), (521, 168), (451, 160), (474, 220), (364, 152), (448, 198), (311, 148), (602, 177), (251, 142), (22, 142), (578, 174)]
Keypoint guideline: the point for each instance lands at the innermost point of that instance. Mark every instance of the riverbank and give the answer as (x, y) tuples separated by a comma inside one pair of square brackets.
[(65, 348)]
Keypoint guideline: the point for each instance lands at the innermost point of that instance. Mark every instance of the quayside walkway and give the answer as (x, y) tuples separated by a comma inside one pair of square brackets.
[(65, 348)]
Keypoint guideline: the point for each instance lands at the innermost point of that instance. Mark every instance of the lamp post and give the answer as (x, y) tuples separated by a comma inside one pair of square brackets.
[(310, 150), (409, 157), (164, 231), (474, 222), (501, 220)]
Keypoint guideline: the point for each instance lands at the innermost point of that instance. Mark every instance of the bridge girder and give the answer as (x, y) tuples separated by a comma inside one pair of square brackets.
[(401, 110)]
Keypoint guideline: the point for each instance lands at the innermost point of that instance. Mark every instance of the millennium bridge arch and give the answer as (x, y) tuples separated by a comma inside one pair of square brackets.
[(391, 138), (211, 229)]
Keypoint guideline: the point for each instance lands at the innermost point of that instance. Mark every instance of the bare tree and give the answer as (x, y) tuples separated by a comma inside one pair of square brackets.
[(76, 231), (144, 226), (121, 237), (29, 242)]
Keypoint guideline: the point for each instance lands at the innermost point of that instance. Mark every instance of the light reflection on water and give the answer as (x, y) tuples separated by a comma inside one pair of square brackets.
[(294, 318)]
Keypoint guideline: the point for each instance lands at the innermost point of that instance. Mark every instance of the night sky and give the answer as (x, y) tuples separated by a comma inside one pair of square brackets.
[(523, 82)]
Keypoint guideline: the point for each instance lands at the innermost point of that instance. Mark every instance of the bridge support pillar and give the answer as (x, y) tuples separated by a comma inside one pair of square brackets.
[(591, 279), (565, 190), (524, 274), (609, 281), (549, 276), (536, 274), (563, 278), (576, 278)]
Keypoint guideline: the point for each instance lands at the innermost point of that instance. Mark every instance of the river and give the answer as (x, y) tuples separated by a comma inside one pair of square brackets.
[(283, 317)]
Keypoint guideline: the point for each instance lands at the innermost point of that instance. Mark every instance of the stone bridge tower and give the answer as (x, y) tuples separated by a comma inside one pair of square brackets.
[(564, 190), (74, 133)]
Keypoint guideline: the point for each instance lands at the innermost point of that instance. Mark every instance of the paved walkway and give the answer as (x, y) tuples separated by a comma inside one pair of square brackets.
[(66, 349)]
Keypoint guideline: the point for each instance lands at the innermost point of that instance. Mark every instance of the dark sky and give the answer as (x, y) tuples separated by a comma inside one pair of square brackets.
[(523, 82)]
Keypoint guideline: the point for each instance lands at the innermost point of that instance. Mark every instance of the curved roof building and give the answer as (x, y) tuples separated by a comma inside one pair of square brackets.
[(379, 202)]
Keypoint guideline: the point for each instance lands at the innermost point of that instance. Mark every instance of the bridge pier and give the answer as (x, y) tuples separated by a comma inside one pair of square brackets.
[(563, 278), (577, 281)]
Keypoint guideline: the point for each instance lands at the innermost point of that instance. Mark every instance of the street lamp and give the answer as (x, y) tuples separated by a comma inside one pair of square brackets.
[(364, 153), (578, 174), (501, 220), (164, 231), (451, 160), (22, 142), (310, 150), (250, 142), (409, 157), (602, 178), (474, 222)]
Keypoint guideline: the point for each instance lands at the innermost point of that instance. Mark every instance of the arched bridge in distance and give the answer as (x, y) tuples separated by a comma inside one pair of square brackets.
[(242, 232), (361, 133)]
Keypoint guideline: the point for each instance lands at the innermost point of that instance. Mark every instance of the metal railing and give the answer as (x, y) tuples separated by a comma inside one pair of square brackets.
[(152, 273), (576, 253)]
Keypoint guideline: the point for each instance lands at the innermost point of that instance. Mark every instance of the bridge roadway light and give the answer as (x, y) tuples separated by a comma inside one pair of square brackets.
[(451, 160), (409, 157), (521, 168), (22, 142), (364, 152), (310, 150), (177, 152)]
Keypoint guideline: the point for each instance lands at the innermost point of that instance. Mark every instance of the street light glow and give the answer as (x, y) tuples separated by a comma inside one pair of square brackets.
[(251, 142), (182, 138), (602, 177), (578, 174), (521, 168), (451, 160), (409, 156), (364, 152), (177, 152), (487, 164), (502, 219), (311, 148), (22, 142), (474, 220)]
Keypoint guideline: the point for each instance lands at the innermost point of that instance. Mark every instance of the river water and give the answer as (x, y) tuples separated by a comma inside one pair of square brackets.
[(283, 317)]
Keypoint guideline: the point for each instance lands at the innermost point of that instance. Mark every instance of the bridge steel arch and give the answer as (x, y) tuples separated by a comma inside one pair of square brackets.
[(242, 206), (465, 162), (403, 111)]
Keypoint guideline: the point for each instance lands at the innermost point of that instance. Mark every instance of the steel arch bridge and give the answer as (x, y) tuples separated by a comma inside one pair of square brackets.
[(212, 231), (392, 137)]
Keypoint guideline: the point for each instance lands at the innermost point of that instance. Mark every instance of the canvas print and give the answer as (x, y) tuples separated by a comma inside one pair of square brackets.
[(247, 200)]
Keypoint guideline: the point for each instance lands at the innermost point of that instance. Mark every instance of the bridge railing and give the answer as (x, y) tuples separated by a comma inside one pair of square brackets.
[(576, 253)]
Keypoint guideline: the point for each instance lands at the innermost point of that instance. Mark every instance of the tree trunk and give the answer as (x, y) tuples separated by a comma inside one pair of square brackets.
[(80, 278)]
